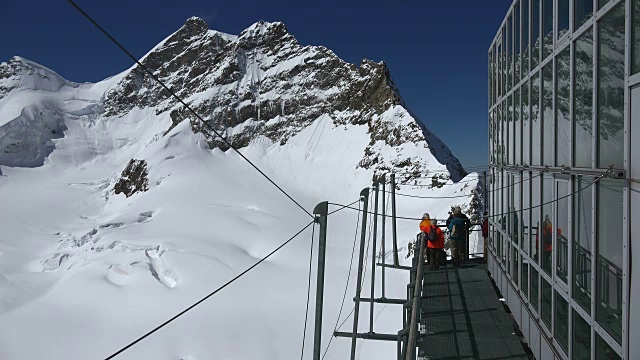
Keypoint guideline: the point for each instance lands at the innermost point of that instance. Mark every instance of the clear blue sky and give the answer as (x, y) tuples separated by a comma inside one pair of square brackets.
[(436, 50)]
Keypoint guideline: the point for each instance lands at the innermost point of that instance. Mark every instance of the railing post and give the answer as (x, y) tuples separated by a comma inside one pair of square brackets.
[(384, 221), (373, 255), (417, 294), (364, 197), (393, 220), (320, 213)]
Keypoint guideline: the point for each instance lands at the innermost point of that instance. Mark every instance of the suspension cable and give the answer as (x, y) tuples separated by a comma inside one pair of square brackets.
[(173, 94), (306, 312), (464, 196), (210, 295)]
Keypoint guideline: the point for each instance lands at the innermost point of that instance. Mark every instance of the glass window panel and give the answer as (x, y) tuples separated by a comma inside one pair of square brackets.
[(547, 28), (498, 71), (517, 124), (516, 208), (515, 254), (535, 33), (635, 37), (547, 226), (546, 303), (611, 89), (563, 17), (508, 134), (525, 37), (490, 82), (583, 101), (561, 324), (581, 338), (526, 126), (536, 230), (582, 250), (504, 61), (583, 10), (516, 37), (503, 132), (548, 123), (562, 230), (524, 279), (609, 242), (535, 288), (509, 64), (602, 3), (563, 118), (604, 351), (526, 204), (536, 124)]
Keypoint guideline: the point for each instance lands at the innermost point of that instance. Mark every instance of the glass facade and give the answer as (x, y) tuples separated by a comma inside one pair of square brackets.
[(558, 132)]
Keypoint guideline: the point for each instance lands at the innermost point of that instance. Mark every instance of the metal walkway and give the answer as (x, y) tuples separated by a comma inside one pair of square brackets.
[(462, 318)]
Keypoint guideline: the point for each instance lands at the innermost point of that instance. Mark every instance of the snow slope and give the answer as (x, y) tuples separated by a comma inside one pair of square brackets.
[(83, 271)]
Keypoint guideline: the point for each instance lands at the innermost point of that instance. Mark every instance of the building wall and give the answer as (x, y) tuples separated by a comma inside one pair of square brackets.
[(564, 150)]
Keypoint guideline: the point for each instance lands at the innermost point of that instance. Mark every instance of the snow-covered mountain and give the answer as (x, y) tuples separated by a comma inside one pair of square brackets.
[(118, 208)]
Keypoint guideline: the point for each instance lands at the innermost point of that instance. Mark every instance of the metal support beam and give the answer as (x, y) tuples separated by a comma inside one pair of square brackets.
[(384, 221), (320, 213), (367, 336), (385, 301), (396, 262), (399, 267), (364, 197), (373, 253)]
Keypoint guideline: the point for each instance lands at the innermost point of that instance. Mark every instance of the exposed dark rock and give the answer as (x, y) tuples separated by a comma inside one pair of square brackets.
[(133, 179)]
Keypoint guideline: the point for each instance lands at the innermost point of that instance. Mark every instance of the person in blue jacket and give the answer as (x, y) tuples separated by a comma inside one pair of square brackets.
[(456, 235)]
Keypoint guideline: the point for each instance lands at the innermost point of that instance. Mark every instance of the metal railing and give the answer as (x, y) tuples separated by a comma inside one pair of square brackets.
[(408, 336)]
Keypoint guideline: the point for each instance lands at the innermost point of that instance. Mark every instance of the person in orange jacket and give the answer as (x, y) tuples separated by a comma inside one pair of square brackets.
[(435, 241)]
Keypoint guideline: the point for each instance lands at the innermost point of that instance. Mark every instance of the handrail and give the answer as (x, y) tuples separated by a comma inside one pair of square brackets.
[(417, 294)]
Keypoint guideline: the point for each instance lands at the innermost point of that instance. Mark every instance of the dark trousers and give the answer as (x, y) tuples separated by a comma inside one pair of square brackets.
[(435, 257)]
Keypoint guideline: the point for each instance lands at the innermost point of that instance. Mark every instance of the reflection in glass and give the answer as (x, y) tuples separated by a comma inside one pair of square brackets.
[(604, 351), (611, 89), (581, 338), (526, 132), (583, 11), (525, 38), (516, 224), (536, 126), (516, 41), (563, 17), (609, 242), (561, 331), (508, 134), (535, 33), (524, 283), (583, 101), (602, 3), (548, 123), (547, 226), (635, 37), (509, 65), (582, 251), (514, 264), (526, 225), (547, 28), (546, 303), (517, 136), (535, 288), (563, 118), (490, 82), (562, 231), (535, 215)]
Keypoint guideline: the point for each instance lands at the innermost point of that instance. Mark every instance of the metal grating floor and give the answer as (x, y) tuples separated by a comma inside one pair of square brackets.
[(462, 318)]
